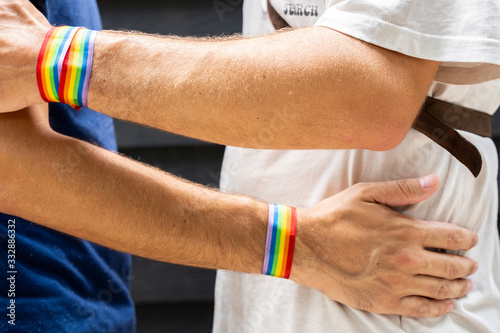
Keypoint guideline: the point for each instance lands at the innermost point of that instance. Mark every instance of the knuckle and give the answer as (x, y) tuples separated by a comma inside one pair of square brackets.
[(408, 262), (363, 190), (361, 187), (421, 232), (409, 232), (443, 290), (421, 310), (438, 310), (455, 240), (453, 270), (428, 309), (405, 187), (400, 261)]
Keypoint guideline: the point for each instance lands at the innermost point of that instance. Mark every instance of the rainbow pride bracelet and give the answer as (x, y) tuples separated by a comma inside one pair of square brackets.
[(280, 241), (64, 65)]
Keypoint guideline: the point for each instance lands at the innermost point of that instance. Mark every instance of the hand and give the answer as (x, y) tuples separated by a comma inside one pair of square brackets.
[(359, 252), (22, 30)]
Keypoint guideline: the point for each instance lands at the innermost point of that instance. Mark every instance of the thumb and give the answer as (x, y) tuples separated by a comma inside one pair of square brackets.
[(403, 192)]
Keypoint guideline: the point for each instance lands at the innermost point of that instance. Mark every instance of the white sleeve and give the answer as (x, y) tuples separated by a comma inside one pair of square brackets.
[(462, 34)]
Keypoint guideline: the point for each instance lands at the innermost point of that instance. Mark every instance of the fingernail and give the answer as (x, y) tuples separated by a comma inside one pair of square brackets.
[(428, 182), (450, 307), (475, 268)]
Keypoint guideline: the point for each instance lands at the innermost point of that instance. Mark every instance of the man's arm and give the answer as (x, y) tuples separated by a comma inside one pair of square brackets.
[(299, 89), (349, 245), (306, 88)]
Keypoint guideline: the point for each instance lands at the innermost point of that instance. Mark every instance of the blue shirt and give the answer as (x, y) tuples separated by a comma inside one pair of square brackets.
[(65, 284)]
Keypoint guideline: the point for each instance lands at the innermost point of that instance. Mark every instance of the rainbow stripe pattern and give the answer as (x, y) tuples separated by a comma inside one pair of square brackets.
[(280, 241), (64, 65)]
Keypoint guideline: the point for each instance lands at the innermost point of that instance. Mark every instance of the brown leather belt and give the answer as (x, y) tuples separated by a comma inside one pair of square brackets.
[(439, 120)]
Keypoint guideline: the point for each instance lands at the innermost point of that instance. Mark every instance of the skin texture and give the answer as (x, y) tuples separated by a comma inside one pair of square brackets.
[(333, 91), (228, 91), (351, 247)]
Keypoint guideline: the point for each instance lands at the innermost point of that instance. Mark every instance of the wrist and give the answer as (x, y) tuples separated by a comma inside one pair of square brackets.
[(303, 256), (64, 65), (23, 88), (249, 244), (33, 96), (105, 92), (280, 241)]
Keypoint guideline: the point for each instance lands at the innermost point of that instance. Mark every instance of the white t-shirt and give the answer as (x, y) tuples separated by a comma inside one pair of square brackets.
[(465, 36)]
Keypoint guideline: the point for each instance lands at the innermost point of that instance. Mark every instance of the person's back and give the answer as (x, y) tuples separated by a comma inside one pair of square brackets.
[(62, 283), (247, 303)]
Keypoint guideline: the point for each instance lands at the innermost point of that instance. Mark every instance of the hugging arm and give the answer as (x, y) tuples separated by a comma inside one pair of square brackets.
[(307, 88), (348, 245)]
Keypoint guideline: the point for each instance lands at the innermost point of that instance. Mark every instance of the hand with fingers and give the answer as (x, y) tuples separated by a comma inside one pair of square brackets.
[(356, 250)]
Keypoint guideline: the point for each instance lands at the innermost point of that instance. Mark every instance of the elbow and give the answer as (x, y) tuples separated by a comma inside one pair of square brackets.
[(389, 131), (388, 139), (390, 124), (371, 133)]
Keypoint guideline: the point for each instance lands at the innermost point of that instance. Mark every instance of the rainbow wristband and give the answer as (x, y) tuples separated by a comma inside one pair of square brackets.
[(280, 241), (64, 65)]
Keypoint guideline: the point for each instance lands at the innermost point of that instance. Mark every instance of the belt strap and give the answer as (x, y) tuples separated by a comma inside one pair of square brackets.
[(439, 120)]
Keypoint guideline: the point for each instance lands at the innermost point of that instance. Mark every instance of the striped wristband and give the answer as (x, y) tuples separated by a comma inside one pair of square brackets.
[(64, 65), (280, 241)]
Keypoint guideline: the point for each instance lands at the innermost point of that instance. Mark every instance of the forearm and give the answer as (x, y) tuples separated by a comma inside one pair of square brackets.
[(307, 88), (303, 88), (90, 193)]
